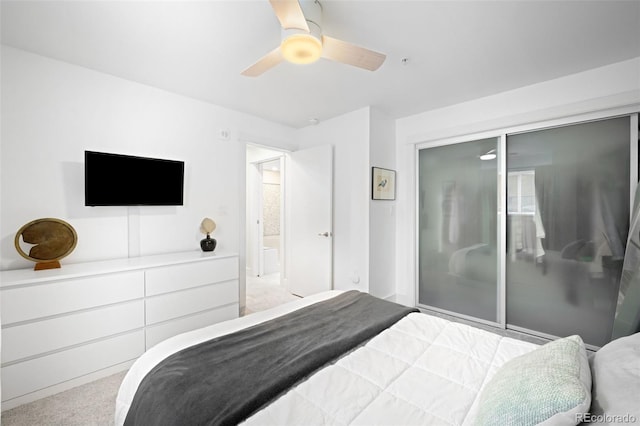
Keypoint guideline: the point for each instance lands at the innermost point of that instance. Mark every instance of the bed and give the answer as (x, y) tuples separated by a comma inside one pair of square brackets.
[(419, 369)]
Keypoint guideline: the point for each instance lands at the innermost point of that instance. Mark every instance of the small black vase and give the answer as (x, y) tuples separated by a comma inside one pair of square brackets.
[(208, 244)]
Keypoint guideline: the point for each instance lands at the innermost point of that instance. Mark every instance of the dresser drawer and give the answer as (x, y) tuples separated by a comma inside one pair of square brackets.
[(186, 302), (178, 277), (35, 338), (38, 373), (159, 332), (62, 327), (42, 300)]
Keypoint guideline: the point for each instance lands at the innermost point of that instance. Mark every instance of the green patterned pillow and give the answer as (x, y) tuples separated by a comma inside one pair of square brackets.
[(550, 385)]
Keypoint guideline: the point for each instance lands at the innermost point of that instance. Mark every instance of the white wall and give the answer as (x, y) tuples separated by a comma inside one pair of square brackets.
[(349, 135), (602, 90), (382, 226), (53, 111), (363, 229)]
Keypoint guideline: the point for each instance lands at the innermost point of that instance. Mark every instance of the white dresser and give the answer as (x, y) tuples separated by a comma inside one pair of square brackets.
[(65, 327)]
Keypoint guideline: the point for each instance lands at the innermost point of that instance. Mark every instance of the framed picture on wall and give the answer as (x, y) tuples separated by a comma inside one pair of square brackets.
[(383, 184)]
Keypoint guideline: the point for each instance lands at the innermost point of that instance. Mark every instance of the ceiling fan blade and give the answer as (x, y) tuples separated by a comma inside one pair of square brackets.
[(265, 63), (290, 14), (347, 53)]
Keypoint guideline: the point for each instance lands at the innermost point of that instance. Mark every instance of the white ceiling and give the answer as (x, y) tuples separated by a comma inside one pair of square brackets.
[(456, 50)]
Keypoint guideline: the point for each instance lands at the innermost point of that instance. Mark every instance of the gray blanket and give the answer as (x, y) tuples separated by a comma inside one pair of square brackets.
[(224, 380)]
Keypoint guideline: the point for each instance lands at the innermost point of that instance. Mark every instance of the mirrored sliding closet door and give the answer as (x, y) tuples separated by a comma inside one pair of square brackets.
[(457, 222), (567, 227), (552, 265)]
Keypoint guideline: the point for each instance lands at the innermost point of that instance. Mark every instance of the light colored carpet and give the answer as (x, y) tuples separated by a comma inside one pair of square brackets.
[(93, 404), (266, 292)]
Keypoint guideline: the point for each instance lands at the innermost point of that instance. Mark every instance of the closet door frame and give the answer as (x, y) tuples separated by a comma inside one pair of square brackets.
[(633, 112)]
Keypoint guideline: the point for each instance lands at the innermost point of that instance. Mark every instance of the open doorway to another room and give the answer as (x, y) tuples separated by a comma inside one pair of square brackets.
[(271, 217), (266, 272)]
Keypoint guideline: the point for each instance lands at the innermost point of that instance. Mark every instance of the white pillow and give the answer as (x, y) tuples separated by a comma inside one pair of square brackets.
[(550, 385), (615, 370)]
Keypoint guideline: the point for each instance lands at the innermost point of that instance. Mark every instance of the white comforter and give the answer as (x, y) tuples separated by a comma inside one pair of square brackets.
[(422, 370)]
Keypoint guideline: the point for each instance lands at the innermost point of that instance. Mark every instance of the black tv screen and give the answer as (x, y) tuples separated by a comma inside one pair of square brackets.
[(125, 180)]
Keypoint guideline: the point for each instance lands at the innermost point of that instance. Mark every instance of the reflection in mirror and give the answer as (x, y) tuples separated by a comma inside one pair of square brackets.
[(627, 318), (567, 222), (457, 228)]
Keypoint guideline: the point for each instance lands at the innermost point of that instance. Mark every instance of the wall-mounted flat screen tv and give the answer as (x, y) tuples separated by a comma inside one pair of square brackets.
[(125, 180)]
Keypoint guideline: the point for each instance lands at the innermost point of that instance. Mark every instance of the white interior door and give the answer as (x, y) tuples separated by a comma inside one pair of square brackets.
[(310, 240)]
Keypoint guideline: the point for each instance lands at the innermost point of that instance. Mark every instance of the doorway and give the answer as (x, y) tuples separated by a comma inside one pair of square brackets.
[(292, 234), (265, 213), (265, 230)]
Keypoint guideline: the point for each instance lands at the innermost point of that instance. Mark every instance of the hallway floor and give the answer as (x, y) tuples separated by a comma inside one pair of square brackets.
[(266, 292)]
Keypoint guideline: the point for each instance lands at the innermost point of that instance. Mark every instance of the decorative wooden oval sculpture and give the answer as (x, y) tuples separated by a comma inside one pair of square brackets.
[(52, 239)]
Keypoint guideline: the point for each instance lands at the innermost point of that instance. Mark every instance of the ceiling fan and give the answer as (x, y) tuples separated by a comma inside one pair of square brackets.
[(303, 41)]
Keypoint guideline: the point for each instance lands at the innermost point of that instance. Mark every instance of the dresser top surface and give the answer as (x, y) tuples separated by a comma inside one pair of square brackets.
[(15, 277)]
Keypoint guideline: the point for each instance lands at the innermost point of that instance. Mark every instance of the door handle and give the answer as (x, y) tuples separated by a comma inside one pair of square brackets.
[(326, 234)]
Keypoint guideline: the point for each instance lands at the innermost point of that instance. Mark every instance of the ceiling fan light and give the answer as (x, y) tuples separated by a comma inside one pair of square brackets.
[(301, 48), (488, 156)]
